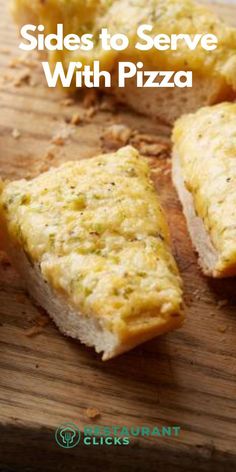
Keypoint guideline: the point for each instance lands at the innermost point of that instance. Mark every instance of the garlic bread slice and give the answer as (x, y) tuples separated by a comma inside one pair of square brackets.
[(204, 173), (91, 241)]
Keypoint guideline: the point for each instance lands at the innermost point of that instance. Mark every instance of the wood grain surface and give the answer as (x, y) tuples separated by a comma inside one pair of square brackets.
[(185, 378)]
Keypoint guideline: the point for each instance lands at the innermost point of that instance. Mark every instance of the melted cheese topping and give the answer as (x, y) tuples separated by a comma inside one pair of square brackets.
[(97, 230), (206, 145), (124, 16)]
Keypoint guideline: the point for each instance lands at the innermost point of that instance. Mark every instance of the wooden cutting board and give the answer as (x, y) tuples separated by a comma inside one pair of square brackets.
[(186, 378)]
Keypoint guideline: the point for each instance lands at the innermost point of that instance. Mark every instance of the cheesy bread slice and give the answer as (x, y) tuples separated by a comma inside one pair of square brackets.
[(91, 241), (204, 173), (214, 72)]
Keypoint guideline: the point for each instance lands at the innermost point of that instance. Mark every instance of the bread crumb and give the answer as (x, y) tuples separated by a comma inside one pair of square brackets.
[(25, 60), (222, 329), (29, 62), (62, 134), (67, 102), (58, 140), (16, 133), (150, 145), (222, 303), (76, 119), (93, 413), (116, 135), (156, 170), (167, 172), (197, 293), (90, 112), (34, 331), (40, 322), (108, 104), (13, 63), (49, 155), (22, 78), (155, 149)]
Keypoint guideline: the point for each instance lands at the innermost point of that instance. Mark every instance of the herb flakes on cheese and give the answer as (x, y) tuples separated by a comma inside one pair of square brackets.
[(205, 143), (96, 229)]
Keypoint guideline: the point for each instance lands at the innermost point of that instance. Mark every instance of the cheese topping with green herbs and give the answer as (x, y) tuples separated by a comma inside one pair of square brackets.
[(206, 145), (98, 233)]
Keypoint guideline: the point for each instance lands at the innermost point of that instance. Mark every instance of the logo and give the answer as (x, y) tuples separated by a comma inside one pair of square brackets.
[(67, 435)]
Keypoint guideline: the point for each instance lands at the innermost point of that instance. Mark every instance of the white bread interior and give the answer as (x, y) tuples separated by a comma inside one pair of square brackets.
[(168, 104), (208, 256), (85, 328), (70, 322)]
